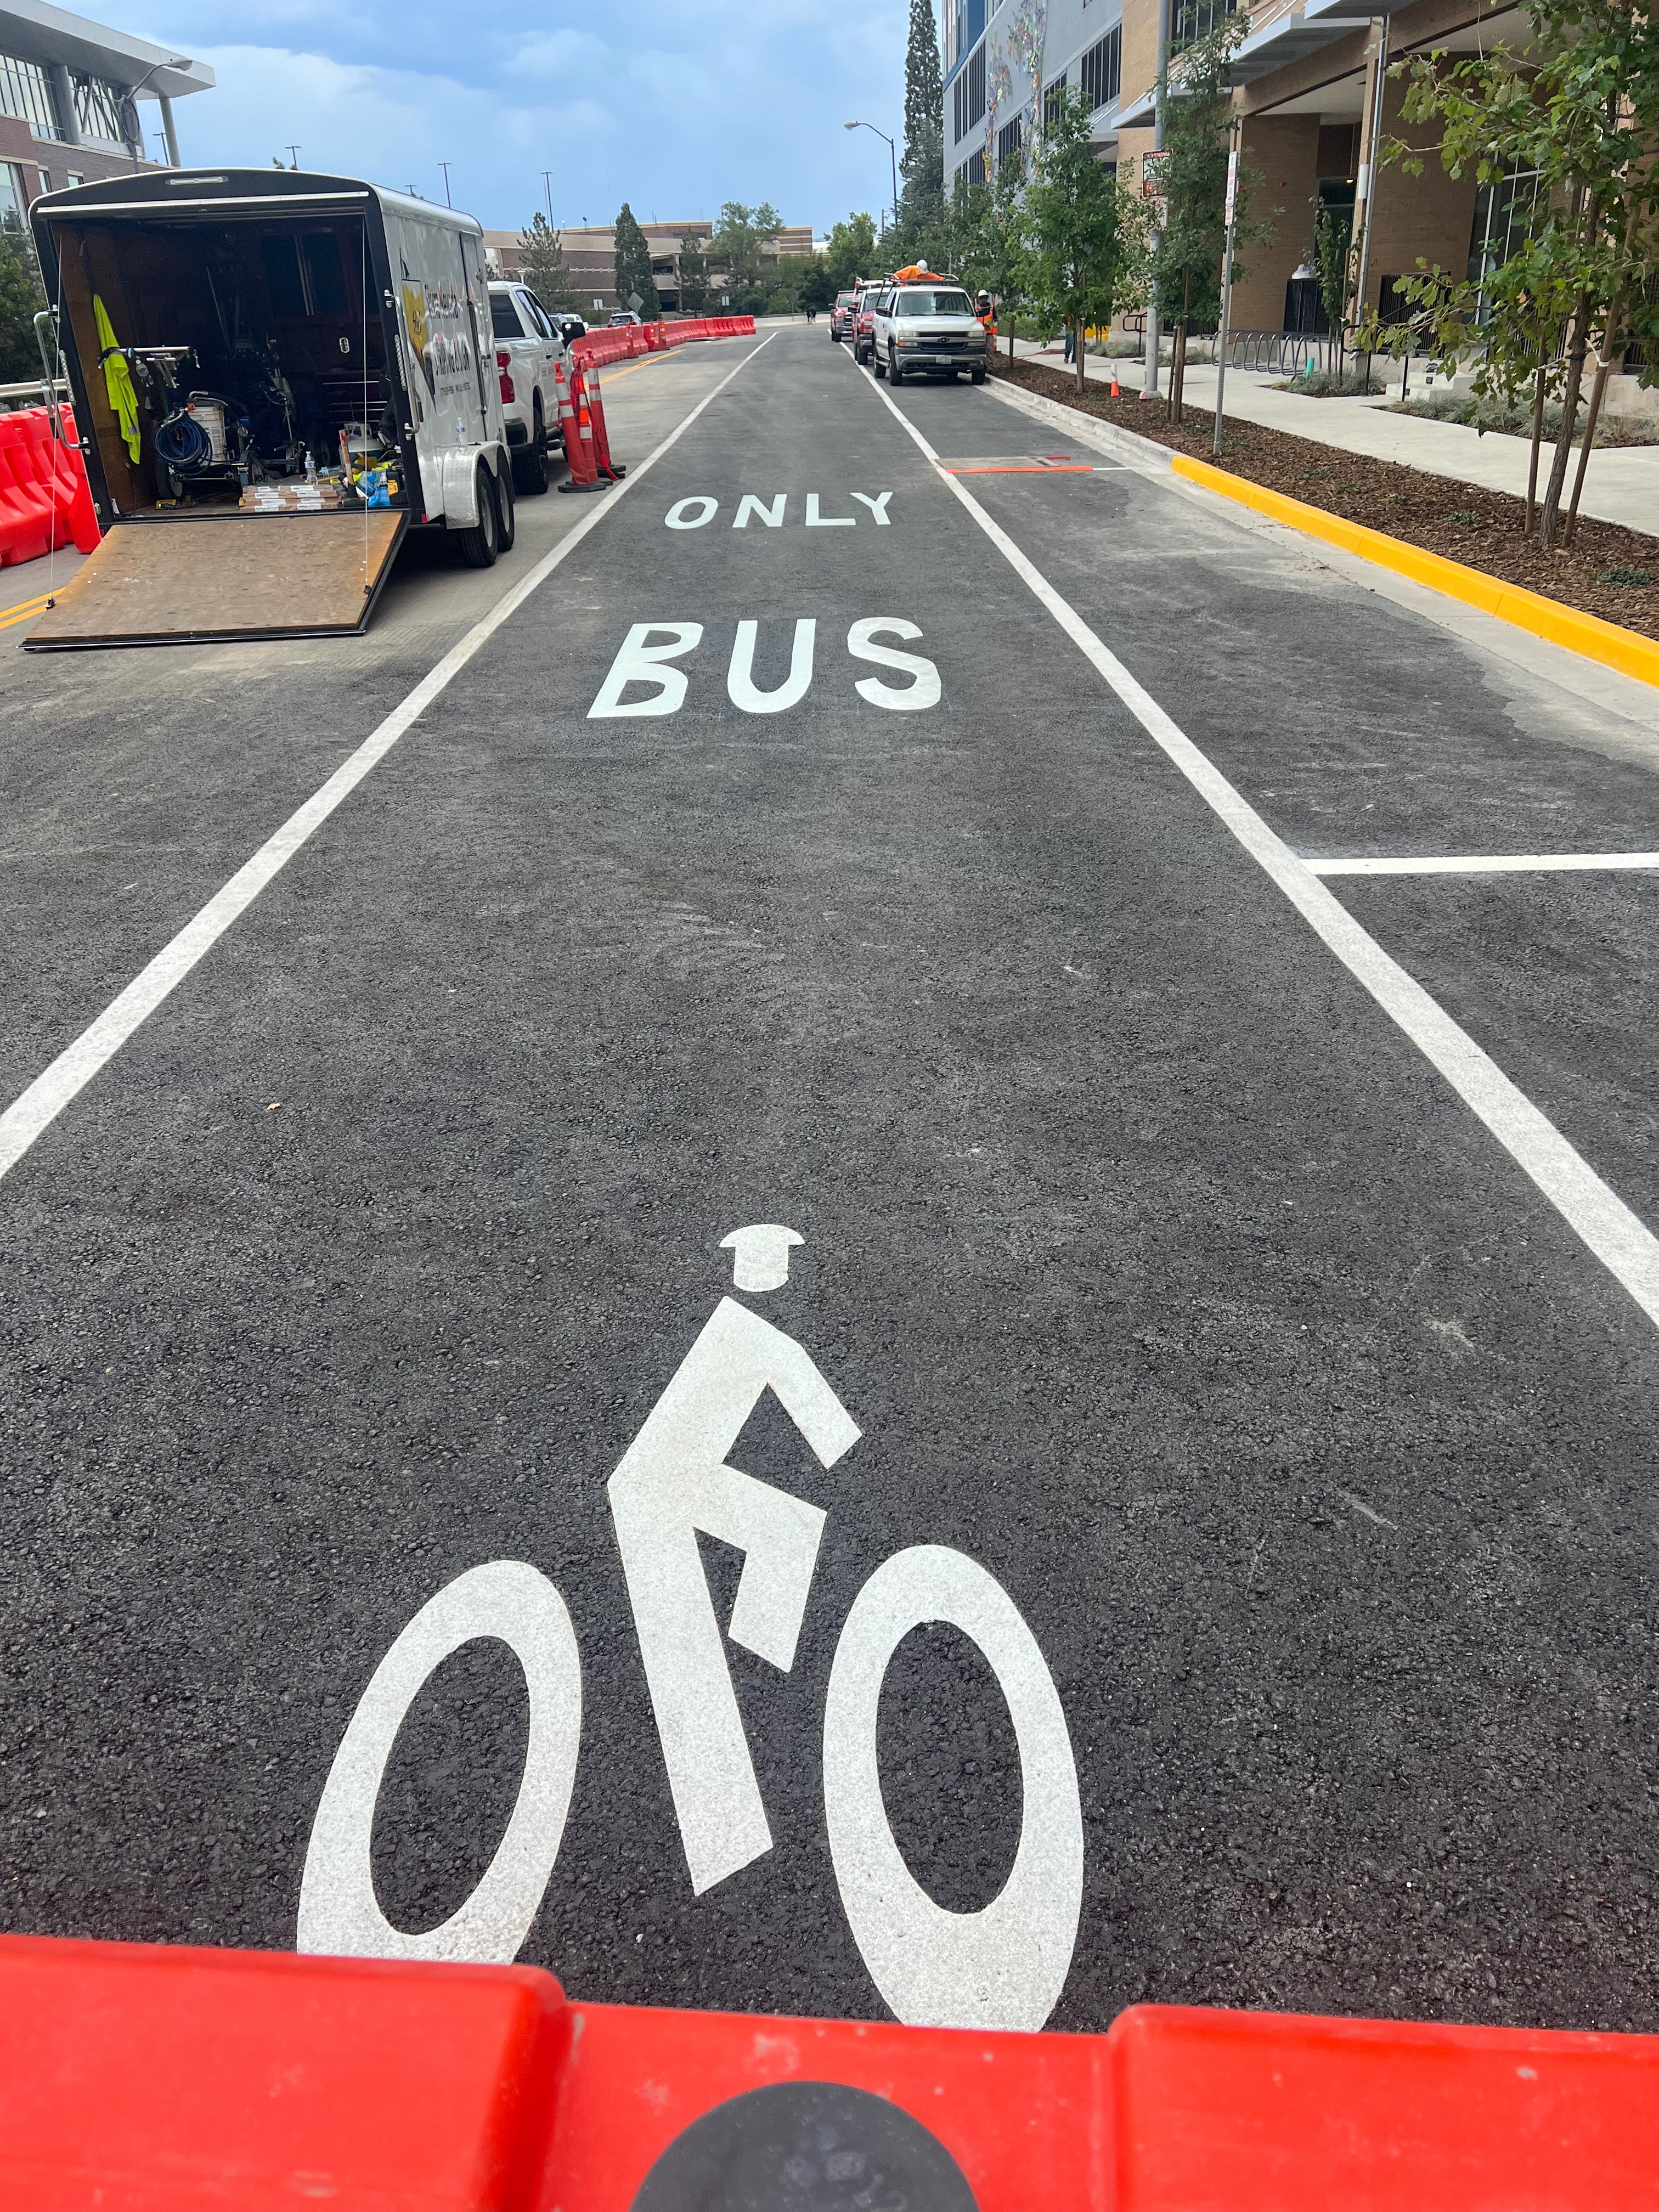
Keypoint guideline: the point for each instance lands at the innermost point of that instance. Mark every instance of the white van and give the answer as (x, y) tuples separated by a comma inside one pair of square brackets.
[(312, 373)]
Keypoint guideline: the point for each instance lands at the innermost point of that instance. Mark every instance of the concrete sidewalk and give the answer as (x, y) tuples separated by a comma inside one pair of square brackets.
[(1622, 485)]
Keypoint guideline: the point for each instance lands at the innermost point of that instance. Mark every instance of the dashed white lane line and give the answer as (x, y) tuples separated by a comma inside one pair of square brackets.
[(1623, 1242), (1483, 864), (35, 1108)]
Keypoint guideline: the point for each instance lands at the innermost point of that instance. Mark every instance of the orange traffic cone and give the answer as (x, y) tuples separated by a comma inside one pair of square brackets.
[(1116, 394), (602, 460), (577, 427)]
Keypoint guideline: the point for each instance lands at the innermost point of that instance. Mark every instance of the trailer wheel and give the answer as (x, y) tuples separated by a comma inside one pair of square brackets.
[(479, 545), (530, 462), (507, 520)]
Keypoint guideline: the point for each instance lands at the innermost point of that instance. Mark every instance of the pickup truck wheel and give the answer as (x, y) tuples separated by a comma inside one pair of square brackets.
[(507, 519), (895, 374), (530, 462), (479, 545), (979, 376), (878, 363)]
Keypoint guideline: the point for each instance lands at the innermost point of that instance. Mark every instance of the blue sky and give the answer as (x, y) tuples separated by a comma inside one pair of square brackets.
[(673, 107)]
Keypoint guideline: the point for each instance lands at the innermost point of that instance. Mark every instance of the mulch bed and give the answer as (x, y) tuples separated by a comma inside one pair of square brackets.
[(1464, 522)]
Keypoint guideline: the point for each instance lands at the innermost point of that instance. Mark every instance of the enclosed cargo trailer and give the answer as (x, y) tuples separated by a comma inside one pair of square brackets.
[(276, 375)]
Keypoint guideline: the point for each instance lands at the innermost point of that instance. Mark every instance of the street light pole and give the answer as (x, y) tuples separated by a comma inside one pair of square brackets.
[(547, 187), (173, 61), (892, 152), (444, 166), (1154, 312)]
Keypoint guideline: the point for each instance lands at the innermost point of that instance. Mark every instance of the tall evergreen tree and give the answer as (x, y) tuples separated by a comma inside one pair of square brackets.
[(541, 263), (633, 262), (923, 165)]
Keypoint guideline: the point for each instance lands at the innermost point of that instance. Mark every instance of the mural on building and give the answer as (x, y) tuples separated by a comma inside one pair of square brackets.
[(1023, 46)]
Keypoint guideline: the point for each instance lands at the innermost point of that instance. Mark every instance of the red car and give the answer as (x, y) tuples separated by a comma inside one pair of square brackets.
[(864, 320), (840, 315)]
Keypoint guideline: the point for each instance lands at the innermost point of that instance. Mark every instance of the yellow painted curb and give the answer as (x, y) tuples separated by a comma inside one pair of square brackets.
[(1626, 650)]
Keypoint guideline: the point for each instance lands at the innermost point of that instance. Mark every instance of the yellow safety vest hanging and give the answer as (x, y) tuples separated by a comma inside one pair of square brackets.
[(118, 378)]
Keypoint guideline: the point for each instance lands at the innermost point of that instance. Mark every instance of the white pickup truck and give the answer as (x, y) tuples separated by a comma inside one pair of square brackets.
[(528, 350)]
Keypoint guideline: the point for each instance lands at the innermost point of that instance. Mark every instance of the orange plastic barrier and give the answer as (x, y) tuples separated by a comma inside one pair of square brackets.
[(46, 502), (153, 2079)]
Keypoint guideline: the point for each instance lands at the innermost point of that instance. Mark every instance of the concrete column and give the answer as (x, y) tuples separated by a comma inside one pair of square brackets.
[(166, 106), (63, 93)]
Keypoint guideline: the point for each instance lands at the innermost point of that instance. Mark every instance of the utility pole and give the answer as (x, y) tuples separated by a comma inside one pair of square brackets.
[(444, 166), (1154, 318), (547, 187), (1226, 281)]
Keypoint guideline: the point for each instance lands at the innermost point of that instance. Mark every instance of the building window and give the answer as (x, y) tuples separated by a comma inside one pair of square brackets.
[(26, 95), (1011, 140), (98, 110), (1503, 216), (1101, 69), (1194, 19), (976, 87), (1054, 99), (13, 205)]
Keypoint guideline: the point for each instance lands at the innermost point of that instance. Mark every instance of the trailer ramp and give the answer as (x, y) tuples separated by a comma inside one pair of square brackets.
[(203, 579)]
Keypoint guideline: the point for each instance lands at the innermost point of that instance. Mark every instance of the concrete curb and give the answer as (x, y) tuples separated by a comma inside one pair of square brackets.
[(1086, 430), (1628, 650)]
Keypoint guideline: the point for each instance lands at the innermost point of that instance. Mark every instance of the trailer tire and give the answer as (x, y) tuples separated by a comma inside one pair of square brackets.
[(479, 545), (506, 517), (530, 462)]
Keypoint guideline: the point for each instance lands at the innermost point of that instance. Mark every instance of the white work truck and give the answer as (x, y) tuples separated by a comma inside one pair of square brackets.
[(276, 375), (926, 328), (529, 351)]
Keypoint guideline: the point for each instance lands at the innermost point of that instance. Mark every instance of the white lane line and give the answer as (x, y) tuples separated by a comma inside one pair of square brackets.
[(1620, 1241), (40, 1105), (1483, 864)]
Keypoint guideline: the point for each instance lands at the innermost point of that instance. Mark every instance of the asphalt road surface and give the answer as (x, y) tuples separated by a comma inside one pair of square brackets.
[(1176, 1518)]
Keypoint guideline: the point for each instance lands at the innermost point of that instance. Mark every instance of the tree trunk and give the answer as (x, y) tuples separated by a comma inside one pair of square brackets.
[(1597, 390), (1077, 355), (1550, 513), (1178, 371), (1537, 440)]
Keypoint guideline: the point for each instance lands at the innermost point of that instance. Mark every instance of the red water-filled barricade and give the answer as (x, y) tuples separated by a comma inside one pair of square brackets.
[(142, 2078), (45, 502), (597, 349)]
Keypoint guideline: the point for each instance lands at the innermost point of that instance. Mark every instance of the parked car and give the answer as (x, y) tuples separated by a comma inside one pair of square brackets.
[(570, 328), (927, 328), (840, 315), (528, 350), (863, 318), (623, 319)]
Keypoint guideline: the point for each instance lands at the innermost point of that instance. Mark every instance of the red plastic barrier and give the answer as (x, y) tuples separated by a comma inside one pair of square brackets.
[(45, 502), (140, 2078), (149, 2078)]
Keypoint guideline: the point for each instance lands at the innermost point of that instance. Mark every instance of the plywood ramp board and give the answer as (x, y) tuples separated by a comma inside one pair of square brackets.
[(201, 579)]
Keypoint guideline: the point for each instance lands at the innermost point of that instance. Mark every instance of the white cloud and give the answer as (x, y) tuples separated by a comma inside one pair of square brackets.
[(671, 105)]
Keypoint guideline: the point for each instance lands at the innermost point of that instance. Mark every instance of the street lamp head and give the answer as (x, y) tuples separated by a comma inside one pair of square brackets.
[(849, 126)]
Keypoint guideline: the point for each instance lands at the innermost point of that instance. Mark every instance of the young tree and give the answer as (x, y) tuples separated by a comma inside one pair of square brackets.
[(736, 246), (1333, 240), (694, 273), (922, 165), (633, 264), (1070, 227), (1003, 250), (852, 252), (1579, 108), (1188, 250), (541, 263)]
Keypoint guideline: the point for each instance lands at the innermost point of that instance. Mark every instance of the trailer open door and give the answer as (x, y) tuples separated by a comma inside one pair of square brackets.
[(213, 578)]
